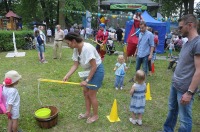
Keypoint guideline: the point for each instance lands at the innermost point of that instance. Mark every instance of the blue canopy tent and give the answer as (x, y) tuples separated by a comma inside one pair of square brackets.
[(157, 26)]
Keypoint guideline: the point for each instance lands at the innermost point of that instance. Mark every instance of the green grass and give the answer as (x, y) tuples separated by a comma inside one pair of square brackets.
[(70, 101)]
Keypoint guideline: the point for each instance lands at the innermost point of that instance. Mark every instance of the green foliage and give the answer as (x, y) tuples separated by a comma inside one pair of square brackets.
[(169, 7), (6, 39)]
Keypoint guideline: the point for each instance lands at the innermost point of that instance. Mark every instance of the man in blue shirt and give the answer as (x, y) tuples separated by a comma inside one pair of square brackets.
[(145, 47)]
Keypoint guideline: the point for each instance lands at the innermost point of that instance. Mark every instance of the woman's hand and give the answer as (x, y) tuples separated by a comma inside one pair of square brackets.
[(83, 83), (65, 78)]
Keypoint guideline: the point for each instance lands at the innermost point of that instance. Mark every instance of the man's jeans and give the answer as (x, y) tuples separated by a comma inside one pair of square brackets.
[(175, 108), (144, 62)]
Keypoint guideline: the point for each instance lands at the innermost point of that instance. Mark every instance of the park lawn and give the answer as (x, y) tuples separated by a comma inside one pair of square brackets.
[(70, 101)]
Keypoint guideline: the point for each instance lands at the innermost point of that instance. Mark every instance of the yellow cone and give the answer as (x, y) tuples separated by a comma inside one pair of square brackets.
[(113, 117), (148, 93)]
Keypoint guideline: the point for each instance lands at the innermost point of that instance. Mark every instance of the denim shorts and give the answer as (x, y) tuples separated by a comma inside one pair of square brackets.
[(97, 78), (40, 48)]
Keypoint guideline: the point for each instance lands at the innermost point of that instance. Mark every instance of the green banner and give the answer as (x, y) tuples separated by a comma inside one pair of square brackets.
[(128, 6)]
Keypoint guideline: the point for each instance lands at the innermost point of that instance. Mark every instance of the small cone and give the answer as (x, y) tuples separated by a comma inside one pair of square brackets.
[(148, 93), (113, 117), (152, 68)]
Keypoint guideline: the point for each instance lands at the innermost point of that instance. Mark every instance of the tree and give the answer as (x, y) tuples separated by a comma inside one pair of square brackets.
[(170, 7)]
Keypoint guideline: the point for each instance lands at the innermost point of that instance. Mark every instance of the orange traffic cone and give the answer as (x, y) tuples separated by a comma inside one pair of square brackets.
[(148, 93), (152, 68), (113, 117)]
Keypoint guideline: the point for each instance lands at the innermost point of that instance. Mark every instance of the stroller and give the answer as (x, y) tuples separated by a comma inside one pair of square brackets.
[(110, 47), (28, 42), (172, 63)]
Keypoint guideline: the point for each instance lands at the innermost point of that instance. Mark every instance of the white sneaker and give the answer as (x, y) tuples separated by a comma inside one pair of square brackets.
[(139, 122), (121, 88), (132, 121), (116, 88)]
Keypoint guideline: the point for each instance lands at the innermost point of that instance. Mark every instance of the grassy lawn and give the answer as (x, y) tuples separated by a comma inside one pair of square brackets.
[(69, 99)]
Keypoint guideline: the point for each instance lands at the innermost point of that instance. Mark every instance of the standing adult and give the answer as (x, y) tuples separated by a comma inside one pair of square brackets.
[(186, 78), (119, 32), (85, 54), (40, 46), (87, 32), (65, 31), (71, 29), (49, 35), (57, 48), (35, 28), (145, 48), (102, 38)]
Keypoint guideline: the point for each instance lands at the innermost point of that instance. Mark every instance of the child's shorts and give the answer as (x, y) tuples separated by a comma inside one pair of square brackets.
[(170, 51), (40, 48)]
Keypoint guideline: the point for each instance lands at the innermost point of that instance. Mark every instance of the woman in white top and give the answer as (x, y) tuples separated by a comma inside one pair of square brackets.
[(85, 54)]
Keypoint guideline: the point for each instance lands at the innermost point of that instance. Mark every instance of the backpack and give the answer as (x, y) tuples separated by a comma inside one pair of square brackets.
[(39, 40), (2, 101)]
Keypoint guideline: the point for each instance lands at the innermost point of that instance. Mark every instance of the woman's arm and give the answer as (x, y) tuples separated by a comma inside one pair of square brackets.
[(71, 71)]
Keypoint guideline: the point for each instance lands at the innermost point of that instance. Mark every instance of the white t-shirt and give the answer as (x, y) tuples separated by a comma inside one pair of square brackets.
[(87, 30), (12, 98), (66, 31), (49, 33), (82, 32), (88, 52)]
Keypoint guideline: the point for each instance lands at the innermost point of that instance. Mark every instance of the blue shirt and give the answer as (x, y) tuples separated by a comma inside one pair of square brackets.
[(120, 71), (145, 42)]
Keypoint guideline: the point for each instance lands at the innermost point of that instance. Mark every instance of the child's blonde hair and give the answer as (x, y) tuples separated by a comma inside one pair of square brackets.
[(140, 76), (120, 57)]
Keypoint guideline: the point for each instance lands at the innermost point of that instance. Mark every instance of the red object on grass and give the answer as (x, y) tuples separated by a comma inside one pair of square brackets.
[(152, 68)]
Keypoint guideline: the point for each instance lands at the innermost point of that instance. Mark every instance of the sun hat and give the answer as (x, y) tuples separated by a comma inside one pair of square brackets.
[(11, 77)]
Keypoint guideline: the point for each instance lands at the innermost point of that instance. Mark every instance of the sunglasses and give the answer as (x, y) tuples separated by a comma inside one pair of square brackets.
[(180, 27)]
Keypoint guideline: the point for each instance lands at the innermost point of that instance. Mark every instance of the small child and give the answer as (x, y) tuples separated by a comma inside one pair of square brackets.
[(120, 68), (137, 92), (171, 47), (12, 97)]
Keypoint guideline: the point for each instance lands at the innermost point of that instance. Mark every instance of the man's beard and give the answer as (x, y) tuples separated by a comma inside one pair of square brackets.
[(185, 34)]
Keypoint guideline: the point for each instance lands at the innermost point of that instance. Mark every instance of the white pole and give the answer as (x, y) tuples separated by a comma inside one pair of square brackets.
[(14, 42)]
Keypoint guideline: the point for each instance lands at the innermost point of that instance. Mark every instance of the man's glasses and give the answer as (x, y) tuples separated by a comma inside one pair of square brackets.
[(180, 27)]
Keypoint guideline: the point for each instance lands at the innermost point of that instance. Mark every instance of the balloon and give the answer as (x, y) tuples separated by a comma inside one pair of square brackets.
[(99, 14), (114, 16)]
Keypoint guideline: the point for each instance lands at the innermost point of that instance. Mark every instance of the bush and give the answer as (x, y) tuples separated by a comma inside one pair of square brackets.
[(6, 39)]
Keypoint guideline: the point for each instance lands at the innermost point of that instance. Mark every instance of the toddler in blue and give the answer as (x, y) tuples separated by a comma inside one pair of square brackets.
[(120, 68)]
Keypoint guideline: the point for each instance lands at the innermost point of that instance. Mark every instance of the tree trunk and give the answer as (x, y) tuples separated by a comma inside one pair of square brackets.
[(186, 6), (62, 13), (181, 10), (44, 8), (6, 6), (191, 6), (57, 10)]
